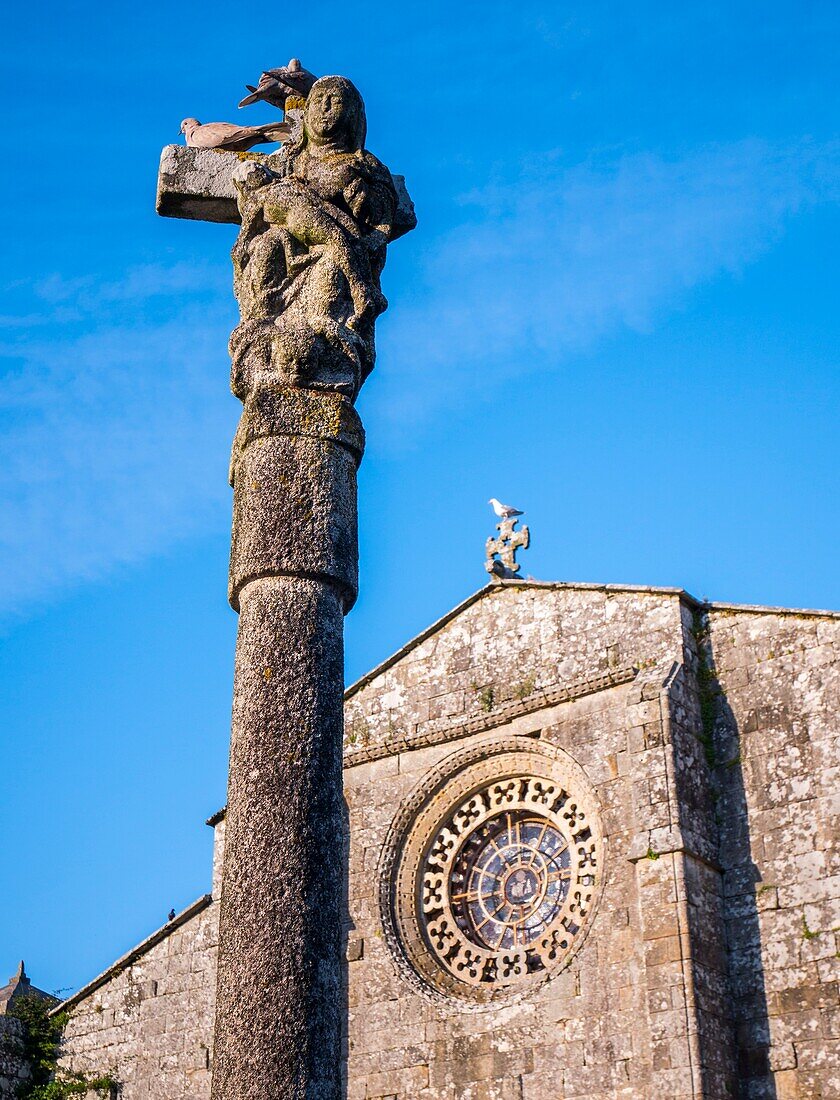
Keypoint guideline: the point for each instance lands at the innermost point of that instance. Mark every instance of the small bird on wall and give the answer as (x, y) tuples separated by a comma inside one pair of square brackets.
[(226, 135), (504, 511), (277, 85)]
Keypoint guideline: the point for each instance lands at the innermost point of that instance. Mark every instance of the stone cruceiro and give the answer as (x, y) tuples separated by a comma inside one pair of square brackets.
[(316, 219)]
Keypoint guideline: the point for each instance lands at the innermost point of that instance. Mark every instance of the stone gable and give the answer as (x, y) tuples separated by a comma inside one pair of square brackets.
[(706, 738)]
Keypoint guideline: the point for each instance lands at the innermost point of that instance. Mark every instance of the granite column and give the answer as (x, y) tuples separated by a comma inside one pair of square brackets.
[(293, 576)]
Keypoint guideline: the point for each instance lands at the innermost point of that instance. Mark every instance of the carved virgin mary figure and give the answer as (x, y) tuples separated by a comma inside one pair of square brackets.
[(309, 256)]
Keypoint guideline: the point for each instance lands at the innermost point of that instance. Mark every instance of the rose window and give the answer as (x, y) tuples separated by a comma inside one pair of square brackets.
[(492, 879), (510, 880)]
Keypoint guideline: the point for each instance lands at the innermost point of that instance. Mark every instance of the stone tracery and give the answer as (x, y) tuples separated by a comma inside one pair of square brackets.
[(494, 879), (508, 880)]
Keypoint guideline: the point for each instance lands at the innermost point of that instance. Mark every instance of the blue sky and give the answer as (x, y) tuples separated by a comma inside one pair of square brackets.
[(619, 311)]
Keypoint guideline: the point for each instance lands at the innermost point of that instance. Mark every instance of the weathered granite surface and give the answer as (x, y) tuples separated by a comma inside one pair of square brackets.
[(14, 1069), (280, 924), (197, 184), (620, 1020), (775, 693), (293, 575), (149, 1020), (316, 220), (293, 472), (315, 227), (709, 969)]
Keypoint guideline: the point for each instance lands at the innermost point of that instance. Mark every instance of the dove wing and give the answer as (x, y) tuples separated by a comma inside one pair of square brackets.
[(211, 134), (249, 99), (276, 85), (300, 81), (271, 79), (276, 131), (226, 135)]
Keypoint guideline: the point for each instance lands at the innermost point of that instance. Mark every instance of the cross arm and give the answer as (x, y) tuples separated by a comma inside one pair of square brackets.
[(198, 184)]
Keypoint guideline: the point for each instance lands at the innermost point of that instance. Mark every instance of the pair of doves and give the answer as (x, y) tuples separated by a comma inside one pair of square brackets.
[(275, 87)]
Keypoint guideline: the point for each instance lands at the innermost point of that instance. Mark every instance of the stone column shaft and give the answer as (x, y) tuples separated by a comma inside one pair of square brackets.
[(293, 577)]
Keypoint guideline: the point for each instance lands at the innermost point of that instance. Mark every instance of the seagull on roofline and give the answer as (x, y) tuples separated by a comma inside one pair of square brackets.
[(504, 511)]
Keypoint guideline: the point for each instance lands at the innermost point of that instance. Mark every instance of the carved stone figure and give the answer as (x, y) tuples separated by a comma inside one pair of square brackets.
[(308, 259), (316, 219)]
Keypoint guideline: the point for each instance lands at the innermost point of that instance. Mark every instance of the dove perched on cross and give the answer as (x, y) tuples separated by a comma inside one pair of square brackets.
[(277, 85), (504, 511), (227, 135)]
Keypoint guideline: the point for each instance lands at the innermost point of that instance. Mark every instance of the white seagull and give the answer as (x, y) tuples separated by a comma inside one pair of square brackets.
[(504, 511)]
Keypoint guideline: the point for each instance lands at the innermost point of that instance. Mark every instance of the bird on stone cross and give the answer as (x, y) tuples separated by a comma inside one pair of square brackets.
[(277, 85), (227, 135), (504, 511)]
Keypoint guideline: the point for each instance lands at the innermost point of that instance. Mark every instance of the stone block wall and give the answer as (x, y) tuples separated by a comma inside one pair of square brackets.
[(621, 1020), (585, 1033), (775, 694), (14, 1070), (149, 1019)]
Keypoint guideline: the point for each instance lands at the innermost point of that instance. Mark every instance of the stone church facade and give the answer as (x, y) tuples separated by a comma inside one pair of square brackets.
[(590, 855)]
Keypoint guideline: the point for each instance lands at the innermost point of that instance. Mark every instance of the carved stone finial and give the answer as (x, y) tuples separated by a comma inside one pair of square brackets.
[(501, 560)]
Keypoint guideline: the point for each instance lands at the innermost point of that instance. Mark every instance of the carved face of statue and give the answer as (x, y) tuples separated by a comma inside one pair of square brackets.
[(327, 112), (334, 115)]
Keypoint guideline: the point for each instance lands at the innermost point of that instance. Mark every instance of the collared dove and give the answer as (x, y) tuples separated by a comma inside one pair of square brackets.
[(504, 511), (227, 135), (276, 85)]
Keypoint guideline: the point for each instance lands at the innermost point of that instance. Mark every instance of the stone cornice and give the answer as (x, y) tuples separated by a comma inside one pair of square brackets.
[(436, 733)]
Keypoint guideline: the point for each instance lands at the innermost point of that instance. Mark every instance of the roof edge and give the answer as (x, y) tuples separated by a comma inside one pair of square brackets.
[(767, 609), (495, 586), (134, 954), (581, 586)]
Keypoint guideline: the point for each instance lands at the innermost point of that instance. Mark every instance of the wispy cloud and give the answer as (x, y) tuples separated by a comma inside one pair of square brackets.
[(139, 284), (551, 259), (114, 397), (116, 426)]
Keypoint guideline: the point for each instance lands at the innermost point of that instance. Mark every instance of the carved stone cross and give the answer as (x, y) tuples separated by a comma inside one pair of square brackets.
[(197, 184), (316, 220), (501, 552)]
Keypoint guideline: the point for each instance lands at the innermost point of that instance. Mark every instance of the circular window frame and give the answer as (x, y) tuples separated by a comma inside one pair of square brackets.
[(461, 775)]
